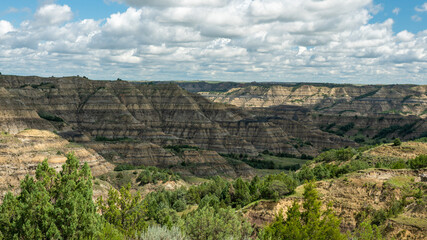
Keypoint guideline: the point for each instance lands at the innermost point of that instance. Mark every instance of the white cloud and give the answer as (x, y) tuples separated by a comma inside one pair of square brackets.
[(126, 57), (405, 36), (422, 8), (5, 27), (174, 3), (396, 11), (272, 40), (53, 14)]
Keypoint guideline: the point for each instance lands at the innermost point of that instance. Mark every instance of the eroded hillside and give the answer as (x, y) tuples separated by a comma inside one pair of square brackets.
[(362, 113), (21, 153), (160, 114), (370, 190)]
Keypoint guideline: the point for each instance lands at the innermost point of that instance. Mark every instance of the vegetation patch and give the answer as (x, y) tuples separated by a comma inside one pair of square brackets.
[(50, 117), (367, 94), (416, 222), (401, 181), (344, 111), (406, 98), (402, 130)]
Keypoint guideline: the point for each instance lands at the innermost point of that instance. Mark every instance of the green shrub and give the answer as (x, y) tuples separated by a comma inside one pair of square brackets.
[(154, 174), (418, 162), (52, 205), (311, 223), (50, 117), (400, 164), (208, 223), (347, 127), (397, 142), (124, 167), (366, 231), (163, 233), (179, 205), (108, 231), (124, 210), (343, 154)]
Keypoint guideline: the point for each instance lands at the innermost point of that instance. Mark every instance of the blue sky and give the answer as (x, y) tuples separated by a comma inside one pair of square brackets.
[(84, 9), (403, 17), (356, 41), (101, 9)]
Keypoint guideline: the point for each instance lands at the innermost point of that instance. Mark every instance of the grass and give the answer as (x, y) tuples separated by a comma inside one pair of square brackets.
[(189, 209), (2, 133), (298, 192), (416, 222), (73, 145), (401, 181), (245, 208), (193, 179)]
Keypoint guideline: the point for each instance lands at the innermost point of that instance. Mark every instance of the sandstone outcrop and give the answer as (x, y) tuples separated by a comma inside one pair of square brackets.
[(325, 98), (161, 114), (362, 112), (210, 164), (21, 153)]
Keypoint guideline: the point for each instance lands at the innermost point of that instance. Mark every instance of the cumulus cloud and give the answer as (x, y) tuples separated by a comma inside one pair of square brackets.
[(5, 27), (53, 14), (174, 3), (245, 40)]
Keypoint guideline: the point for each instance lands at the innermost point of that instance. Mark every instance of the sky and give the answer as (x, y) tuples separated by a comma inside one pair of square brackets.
[(351, 41)]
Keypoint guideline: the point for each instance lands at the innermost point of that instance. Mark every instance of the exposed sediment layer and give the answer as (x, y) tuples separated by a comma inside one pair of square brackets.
[(21, 153), (162, 114)]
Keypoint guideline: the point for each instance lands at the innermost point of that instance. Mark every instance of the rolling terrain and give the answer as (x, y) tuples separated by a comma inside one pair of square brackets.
[(110, 116), (171, 145), (360, 112)]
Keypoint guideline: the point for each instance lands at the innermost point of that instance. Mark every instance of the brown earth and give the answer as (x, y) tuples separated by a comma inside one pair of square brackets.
[(372, 188), (21, 153), (369, 109), (408, 150), (161, 114)]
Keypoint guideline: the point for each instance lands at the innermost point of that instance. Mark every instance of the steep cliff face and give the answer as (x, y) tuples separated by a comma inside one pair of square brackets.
[(162, 114), (16, 116), (21, 153), (363, 128), (358, 112), (210, 164), (349, 99)]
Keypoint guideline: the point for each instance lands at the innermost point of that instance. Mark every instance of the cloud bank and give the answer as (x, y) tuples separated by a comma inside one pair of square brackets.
[(240, 40)]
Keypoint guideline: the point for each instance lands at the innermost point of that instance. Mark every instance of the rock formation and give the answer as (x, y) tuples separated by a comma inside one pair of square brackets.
[(21, 153), (162, 114), (362, 112)]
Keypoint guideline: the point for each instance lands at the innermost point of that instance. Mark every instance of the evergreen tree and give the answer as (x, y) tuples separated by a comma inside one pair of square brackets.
[(241, 193), (52, 206), (311, 223), (366, 231), (397, 142), (124, 210), (210, 224)]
